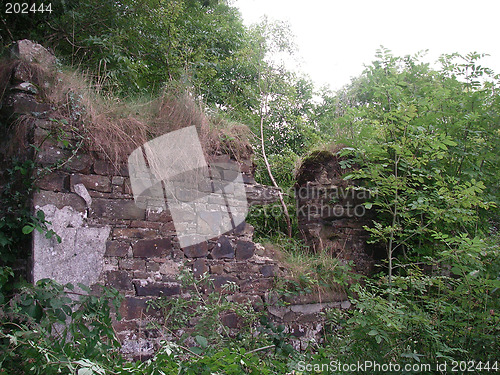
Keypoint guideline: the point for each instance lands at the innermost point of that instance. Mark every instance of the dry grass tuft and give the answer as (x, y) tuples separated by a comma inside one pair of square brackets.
[(114, 128), (318, 272)]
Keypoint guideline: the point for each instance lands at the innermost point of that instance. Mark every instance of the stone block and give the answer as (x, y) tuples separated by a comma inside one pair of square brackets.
[(22, 103), (257, 286), (167, 229), (81, 163), (290, 316), (244, 229), (22, 73), (133, 264), (79, 257), (92, 182), (117, 249), (127, 188), (230, 320), (117, 180), (199, 267), (217, 269), (196, 251), (152, 267), (133, 308), (56, 181), (125, 325), (116, 209), (157, 289), (119, 280), (267, 270), (260, 194), (309, 318), (162, 216), (151, 248), (223, 249), (220, 281), (134, 233), (170, 268), (106, 168), (51, 155), (33, 52), (59, 200), (145, 224), (244, 249)]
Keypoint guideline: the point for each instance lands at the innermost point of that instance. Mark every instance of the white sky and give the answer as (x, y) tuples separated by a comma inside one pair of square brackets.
[(335, 38)]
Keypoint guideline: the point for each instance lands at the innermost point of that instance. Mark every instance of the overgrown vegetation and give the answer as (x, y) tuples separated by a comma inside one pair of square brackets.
[(426, 142)]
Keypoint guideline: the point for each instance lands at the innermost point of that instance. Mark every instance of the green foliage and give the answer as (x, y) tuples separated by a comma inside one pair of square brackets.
[(51, 328), (206, 307), (421, 182), (431, 317)]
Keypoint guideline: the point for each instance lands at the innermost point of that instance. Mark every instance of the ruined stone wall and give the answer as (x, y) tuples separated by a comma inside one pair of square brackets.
[(107, 239), (331, 214)]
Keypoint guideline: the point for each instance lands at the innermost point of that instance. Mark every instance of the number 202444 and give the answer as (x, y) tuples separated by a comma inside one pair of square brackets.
[(25, 8)]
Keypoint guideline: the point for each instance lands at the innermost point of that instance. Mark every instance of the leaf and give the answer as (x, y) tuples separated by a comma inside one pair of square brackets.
[(67, 309), (40, 215), (196, 350), (27, 229), (56, 303), (373, 332), (202, 341), (60, 315), (84, 287)]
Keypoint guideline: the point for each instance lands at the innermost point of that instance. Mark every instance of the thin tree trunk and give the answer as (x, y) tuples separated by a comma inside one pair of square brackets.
[(262, 108), (268, 167)]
